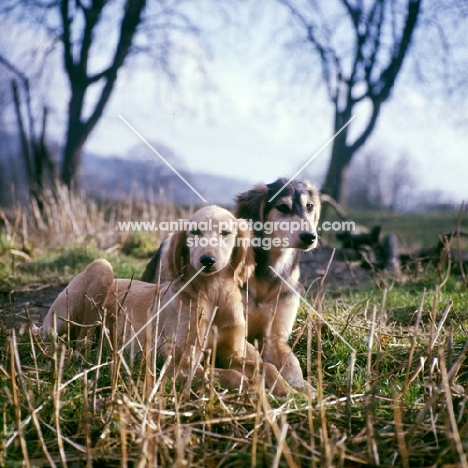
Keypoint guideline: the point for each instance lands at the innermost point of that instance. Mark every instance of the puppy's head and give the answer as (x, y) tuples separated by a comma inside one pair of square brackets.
[(289, 213), (213, 240)]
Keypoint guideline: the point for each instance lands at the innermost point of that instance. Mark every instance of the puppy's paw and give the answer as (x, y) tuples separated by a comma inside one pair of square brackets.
[(274, 381), (300, 384), (304, 387), (232, 379), (293, 376), (310, 390)]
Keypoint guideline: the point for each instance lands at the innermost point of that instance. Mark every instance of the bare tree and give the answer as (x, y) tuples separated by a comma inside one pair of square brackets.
[(361, 46), (36, 157), (378, 182), (76, 58), (96, 39), (401, 183), (366, 182)]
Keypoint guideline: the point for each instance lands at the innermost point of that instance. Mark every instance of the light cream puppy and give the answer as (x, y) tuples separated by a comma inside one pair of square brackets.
[(200, 309)]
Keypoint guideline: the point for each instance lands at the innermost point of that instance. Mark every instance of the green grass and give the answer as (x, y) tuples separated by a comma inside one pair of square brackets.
[(414, 230), (211, 427), (58, 266), (417, 230), (384, 398)]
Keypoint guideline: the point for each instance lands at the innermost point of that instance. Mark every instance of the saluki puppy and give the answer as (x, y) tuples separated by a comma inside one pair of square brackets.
[(287, 225), (200, 309)]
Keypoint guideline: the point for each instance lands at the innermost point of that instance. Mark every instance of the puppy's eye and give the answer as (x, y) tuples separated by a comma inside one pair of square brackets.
[(309, 207), (225, 233), (196, 232), (283, 209)]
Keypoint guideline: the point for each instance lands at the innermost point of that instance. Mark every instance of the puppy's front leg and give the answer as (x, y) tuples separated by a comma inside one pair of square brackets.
[(182, 371), (183, 366), (244, 358), (275, 341), (230, 346), (280, 354), (273, 379)]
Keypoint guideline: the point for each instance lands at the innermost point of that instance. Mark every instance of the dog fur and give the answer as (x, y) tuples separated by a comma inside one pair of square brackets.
[(192, 313), (272, 306)]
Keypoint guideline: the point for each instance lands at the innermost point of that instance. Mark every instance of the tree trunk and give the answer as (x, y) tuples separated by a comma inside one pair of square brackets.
[(34, 150), (337, 169), (76, 65), (72, 157), (341, 155), (75, 136)]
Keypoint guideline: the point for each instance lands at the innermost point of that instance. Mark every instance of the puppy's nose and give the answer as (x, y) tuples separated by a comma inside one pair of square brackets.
[(308, 237), (207, 260)]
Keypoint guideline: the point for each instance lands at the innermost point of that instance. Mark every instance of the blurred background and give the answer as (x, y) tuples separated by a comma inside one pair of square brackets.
[(234, 92)]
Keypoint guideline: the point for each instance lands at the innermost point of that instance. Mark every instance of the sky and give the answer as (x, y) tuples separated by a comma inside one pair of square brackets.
[(240, 117), (251, 128), (247, 121)]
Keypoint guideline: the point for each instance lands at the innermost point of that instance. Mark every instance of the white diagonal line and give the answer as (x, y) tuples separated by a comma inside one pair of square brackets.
[(160, 310), (313, 157), (161, 157), (313, 310)]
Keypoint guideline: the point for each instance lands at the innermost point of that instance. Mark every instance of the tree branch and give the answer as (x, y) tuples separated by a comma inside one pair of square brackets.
[(379, 91), (376, 19), (388, 76), (66, 39), (376, 105), (24, 138), (91, 15), (129, 25), (354, 13), (25, 83), (13, 69), (327, 55)]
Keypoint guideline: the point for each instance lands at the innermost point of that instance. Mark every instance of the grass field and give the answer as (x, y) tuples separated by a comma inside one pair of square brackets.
[(389, 364), (414, 231)]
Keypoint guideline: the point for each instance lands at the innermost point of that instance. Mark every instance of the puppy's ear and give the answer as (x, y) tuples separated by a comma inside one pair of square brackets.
[(315, 195), (251, 204), (243, 261), (176, 255)]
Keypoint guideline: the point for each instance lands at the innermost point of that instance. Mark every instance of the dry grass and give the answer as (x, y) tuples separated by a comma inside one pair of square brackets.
[(67, 218), (70, 231), (398, 399)]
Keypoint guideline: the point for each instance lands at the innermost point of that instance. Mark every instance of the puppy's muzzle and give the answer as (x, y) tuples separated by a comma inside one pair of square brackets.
[(307, 238), (207, 261)]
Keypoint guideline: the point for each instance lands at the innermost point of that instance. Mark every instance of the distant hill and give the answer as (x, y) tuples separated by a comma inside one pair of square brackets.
[(151, 180), (145, 177)]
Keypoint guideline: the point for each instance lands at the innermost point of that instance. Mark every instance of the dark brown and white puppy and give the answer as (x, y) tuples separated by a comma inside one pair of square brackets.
[(288, 226)]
